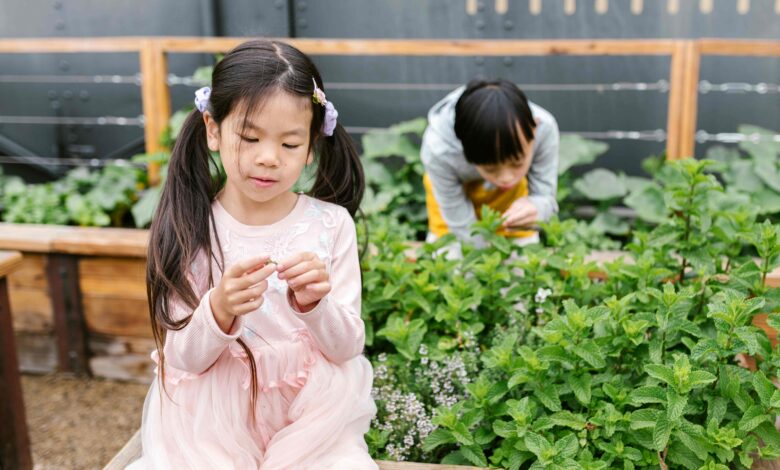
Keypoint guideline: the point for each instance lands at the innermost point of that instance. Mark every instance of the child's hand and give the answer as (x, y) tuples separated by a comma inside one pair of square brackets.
[(522, 212), (307, 278), (241, 289)]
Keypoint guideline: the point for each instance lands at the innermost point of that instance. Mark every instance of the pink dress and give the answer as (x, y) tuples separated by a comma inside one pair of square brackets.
[(314, 399)]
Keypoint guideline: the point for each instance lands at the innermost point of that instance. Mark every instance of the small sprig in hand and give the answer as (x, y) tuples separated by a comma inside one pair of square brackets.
[(307, 279)]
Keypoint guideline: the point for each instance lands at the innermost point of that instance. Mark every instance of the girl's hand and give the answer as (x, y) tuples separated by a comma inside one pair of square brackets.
[(307, 278), (521, 213), (241, 289)]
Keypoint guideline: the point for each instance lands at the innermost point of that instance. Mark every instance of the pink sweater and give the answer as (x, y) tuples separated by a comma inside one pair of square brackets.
[(334, 324)]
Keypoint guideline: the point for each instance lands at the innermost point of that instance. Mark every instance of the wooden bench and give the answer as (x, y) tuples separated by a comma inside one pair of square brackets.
[(132, 451), (14, 438)]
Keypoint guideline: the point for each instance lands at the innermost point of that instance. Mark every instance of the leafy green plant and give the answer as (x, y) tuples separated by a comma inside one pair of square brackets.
[(394, 174), (632, 368), (83, 197)]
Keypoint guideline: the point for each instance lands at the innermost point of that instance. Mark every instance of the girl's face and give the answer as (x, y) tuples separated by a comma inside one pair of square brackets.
[(264, 158), (508, 174)]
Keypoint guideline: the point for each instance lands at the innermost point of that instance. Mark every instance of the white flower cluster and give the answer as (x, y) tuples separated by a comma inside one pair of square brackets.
[(443, 378), (405, 417)]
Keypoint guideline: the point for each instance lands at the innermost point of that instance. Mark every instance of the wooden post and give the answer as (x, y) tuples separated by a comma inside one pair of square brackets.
[(156, 99), (690, 92), (676, 101), (63, 275), (14, 438)]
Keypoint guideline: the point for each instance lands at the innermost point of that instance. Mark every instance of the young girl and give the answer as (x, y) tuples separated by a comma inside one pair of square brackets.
[(487, 144), (254, 289)]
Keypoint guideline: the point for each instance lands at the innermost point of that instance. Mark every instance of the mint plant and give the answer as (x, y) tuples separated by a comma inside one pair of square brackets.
[(571, 364)]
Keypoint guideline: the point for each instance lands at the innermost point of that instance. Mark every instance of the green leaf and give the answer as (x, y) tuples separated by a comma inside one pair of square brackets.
[(661, 432), (568, 419), (773, 320), (547, 394), (648, 394), (590, 353), (660, 372), (536, 444), (143, 209), (747, 334), (505, 429), (644, 418), (601, 185), (438, 437), (567, 447), (764, 388), (648, 203), (462, 434), (580, 385), (680, 456), (716, 409), (575, 150), (729, 381), (475, 455), (675, 404), (753, 417), (700, 378)]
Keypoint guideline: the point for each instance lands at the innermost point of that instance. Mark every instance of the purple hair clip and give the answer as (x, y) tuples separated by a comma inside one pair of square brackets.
[(331, 115), (202, 98)]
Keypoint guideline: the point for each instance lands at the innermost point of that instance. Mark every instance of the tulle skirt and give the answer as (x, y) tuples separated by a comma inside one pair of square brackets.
[(309, 413)]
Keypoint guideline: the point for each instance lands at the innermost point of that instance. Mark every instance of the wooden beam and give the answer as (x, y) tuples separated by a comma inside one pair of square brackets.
[(433, 47), (69, 45), (739, 47), (14, 438)]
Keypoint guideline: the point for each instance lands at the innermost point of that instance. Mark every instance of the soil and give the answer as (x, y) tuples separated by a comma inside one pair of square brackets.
[(79, 423)]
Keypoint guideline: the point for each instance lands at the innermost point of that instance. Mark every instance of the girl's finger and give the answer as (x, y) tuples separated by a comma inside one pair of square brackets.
[(249, 307), (247, 265), (299, 282), (318, 289), (296, 259), (301, 268), (251, 293), (256, 277)]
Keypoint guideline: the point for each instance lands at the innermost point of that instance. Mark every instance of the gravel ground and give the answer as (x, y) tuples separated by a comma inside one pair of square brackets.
[(79, 423)]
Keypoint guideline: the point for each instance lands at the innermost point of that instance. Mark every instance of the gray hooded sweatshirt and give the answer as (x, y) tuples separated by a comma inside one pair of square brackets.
[(446, 165)]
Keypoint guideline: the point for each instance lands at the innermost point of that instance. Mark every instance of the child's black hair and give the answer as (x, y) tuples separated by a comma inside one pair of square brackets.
[(487, 117)]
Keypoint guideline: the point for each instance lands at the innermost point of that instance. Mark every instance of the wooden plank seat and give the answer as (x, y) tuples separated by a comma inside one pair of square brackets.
[(14, 438)]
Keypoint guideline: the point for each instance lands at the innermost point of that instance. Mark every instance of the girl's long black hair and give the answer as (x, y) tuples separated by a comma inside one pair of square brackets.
[(182, 226)]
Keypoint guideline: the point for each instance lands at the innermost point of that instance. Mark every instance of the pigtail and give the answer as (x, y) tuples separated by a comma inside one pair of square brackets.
[(180, 229), (339, 177)]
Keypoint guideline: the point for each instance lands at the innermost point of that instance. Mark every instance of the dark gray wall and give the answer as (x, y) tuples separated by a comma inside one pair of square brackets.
[(575, 110)]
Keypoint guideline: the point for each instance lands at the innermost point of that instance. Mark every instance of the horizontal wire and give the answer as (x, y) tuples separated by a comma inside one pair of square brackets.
[(78, 121), (660, 85), (87, 79), (735, 137), (53, 161), (657, 135), (738, 87)]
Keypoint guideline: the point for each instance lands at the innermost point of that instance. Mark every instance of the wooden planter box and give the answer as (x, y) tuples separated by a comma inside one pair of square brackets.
[(79, 300)]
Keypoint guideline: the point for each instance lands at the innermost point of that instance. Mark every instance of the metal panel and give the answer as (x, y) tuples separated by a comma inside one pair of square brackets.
[(575, 110)]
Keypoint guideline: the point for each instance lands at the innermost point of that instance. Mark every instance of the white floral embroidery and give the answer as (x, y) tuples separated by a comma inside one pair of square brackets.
[(329, 218)]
